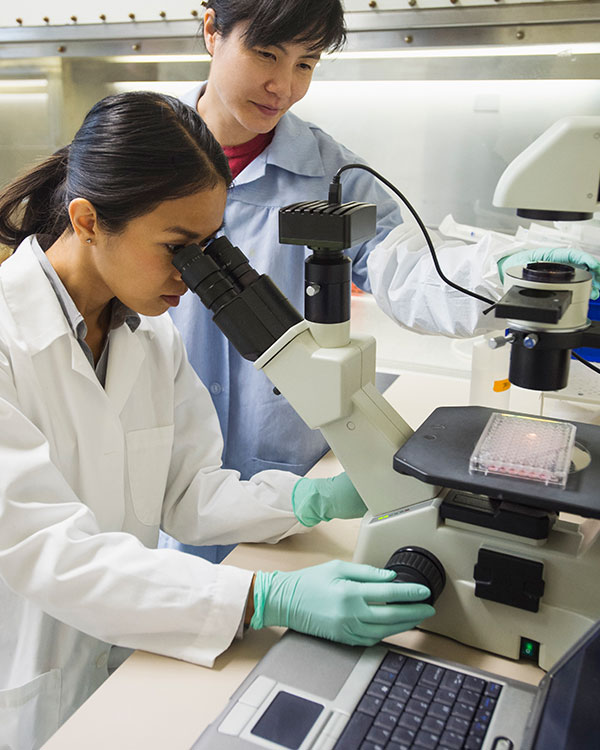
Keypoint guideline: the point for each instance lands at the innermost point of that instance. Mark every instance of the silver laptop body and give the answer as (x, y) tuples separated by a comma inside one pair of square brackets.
[(303, 694)]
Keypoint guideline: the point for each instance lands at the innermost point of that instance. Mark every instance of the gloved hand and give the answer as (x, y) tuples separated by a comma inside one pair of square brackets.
[(340, 601), (315, 500), (555, 255)]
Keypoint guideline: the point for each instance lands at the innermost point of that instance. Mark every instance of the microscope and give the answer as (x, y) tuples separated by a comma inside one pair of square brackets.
[(510, 576)]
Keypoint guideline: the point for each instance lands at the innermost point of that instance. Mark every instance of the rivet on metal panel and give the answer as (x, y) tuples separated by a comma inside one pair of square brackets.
[(136, 47), (162, 14), (45, 19), (19, 21), (408, 38), (74, 19), (372, 4), (412, 3), (102, 16), (454, 2), (520, 35), (194, 13), (131, 15), (62, 48)]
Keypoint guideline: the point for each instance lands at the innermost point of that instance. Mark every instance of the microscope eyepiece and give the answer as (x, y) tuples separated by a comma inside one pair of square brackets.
[(232, 262), (248, 308), (203, 276)]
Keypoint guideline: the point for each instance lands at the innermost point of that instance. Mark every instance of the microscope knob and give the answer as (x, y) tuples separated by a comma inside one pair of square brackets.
[(418, 565)]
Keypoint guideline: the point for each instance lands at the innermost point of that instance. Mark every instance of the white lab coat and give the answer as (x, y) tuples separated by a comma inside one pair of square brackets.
[(87, 475), (408, 288)]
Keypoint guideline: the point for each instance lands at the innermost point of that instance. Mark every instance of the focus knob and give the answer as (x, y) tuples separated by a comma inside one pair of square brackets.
[(418, 565)]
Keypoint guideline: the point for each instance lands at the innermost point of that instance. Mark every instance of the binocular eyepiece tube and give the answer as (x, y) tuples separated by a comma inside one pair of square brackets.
[(248, 308)]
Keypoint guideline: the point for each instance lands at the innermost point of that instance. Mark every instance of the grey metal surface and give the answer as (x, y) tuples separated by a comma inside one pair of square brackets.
[(311, 664), (500, 24)]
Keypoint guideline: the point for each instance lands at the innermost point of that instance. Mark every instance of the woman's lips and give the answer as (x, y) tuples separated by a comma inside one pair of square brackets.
[(268, 111)]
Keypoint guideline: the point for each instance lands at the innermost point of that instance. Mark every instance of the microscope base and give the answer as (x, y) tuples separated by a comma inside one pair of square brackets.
[(570, 557)]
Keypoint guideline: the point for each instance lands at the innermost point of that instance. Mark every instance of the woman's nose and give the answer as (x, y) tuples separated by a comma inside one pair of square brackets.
[(280, 83)]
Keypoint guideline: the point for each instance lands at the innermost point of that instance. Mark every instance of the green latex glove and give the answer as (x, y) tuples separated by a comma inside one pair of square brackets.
[(555, 255), (316, 500), (340, 601)]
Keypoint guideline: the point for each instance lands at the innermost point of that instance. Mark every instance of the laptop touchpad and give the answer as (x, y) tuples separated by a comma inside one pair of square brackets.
[(287, 720)]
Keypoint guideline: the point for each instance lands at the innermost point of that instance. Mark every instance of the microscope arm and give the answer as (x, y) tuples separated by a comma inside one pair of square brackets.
[(332, 389)]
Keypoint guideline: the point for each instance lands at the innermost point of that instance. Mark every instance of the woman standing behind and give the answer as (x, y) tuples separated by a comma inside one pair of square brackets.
[(264, 53)]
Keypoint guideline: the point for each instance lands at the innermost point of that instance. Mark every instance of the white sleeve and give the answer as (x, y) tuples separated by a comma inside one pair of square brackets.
[(104, 583), (408, 288), (204, 503)]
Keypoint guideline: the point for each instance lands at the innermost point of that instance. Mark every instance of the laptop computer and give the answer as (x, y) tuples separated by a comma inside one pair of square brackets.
[(311, 694)]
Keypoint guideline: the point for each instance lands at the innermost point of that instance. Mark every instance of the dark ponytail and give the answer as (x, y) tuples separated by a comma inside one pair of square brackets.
[(132, 152), (31, 201)]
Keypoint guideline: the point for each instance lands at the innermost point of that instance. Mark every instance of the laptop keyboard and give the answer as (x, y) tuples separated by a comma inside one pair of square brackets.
[(413, 704)]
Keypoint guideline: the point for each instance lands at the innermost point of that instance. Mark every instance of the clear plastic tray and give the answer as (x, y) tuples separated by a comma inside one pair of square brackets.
[(525, 448)]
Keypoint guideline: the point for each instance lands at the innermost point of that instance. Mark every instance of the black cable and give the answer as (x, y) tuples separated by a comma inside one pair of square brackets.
[(335, 191), (335, 196), (585, 362)]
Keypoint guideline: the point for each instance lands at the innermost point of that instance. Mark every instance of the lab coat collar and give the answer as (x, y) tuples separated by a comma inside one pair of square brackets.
[(31, 300), (41, 321), (293, 148)]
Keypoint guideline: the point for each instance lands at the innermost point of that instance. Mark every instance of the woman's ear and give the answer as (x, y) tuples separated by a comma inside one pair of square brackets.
[(84, 220), (210, 30)]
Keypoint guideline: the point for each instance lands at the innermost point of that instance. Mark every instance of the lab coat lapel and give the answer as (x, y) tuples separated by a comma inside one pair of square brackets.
[(125, 357), (81, 364)]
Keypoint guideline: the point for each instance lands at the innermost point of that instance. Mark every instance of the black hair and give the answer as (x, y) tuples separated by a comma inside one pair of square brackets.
[(318, 23), (133, 151)]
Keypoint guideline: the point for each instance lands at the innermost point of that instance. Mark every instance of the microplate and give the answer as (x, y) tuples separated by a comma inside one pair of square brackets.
[(525, 447)]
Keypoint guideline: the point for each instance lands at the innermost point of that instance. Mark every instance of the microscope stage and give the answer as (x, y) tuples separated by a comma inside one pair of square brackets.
[(440, 450)]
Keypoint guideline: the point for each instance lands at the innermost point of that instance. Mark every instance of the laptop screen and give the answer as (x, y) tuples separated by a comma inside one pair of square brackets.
[(571, 717)]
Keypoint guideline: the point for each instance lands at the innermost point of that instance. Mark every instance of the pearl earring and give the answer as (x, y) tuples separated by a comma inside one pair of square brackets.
[(89, 241)]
